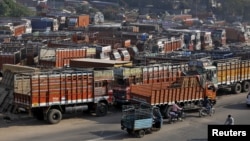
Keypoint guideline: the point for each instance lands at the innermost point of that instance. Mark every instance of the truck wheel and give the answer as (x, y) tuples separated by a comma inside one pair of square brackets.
[(246, 86), (237, 88), (54, 116), (101, 109), (140, 133)]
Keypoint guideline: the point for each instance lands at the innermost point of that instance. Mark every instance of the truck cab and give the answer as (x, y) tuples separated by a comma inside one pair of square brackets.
[(125, 56), (124, 77), (219, 37), (115, 55), (206, 69)]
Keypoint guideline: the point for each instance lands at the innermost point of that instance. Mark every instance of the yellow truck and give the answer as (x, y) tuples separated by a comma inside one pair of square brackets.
[(230, 73)]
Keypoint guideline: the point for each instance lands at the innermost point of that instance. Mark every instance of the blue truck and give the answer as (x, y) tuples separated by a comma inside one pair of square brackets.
[(44, 24)]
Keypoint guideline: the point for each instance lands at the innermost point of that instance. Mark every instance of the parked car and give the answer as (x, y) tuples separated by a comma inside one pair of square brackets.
[(248, 99)]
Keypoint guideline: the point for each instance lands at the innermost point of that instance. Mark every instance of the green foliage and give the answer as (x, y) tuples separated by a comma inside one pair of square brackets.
[(4, 9), (9, 8)]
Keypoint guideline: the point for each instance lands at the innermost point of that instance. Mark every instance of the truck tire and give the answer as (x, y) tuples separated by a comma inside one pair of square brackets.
[(101, 109), (237, 88), (140, 133), (245, 86), (54, 116)]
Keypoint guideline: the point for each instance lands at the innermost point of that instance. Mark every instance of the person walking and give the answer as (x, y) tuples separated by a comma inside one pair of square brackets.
[(229, 120)]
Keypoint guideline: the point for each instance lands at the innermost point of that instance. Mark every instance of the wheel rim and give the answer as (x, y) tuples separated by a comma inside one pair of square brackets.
[(102, 109), (55, 116), (237, 88), (246, 86)]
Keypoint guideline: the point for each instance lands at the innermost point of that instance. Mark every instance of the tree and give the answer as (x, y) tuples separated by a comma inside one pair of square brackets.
[(4, 9), (9, 8)]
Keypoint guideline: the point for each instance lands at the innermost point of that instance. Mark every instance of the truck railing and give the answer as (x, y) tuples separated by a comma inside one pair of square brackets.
[(136, 112), (234, 59)]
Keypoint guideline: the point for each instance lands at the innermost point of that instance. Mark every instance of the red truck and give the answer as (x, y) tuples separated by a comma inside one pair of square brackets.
[(46, 95), (77, 21), (189, 91)]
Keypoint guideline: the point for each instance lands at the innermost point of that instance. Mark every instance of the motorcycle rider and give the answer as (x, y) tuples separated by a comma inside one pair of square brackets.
[(207, 104), (176, 109)]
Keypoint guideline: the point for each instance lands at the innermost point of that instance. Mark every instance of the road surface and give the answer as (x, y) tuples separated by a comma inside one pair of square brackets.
[(77, 126)]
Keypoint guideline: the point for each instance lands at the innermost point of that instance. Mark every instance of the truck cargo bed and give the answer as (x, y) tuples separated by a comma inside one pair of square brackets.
[(38, 90), (233, 71), (187, 89)]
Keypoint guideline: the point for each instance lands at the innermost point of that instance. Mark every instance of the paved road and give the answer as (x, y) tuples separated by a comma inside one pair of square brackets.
[(82, 127)]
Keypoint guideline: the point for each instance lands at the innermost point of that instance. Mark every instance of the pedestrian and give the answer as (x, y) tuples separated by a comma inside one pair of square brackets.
[(229, 120)]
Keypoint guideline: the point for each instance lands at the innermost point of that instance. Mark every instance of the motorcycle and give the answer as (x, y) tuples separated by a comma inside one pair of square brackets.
[(173, 116), (205, 111)]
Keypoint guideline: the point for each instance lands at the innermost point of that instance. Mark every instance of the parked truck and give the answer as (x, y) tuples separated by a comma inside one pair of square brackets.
[(14, 29), (46, 95), (230, 73), (206, 40), (236, 35), (124, 77), (44, 24), (188, 91), (218, 34), (77, 21)]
